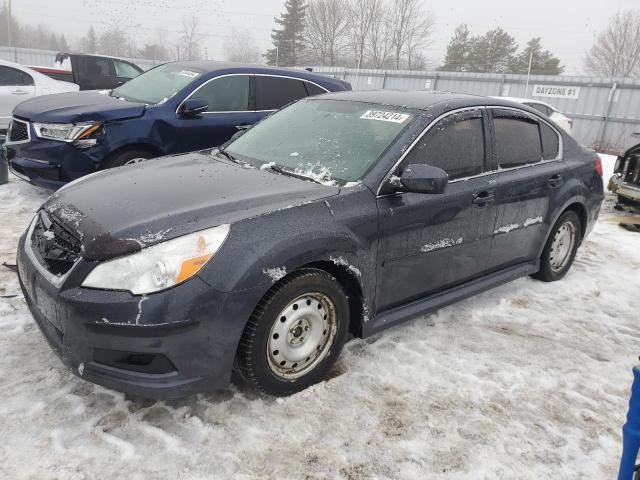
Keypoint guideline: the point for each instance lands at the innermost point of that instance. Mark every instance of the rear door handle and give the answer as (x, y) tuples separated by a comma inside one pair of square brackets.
[(482, 198), (555, 181)]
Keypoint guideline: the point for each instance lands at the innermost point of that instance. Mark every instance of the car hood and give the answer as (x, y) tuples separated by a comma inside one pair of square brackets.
[(77, 107), (122, 210)]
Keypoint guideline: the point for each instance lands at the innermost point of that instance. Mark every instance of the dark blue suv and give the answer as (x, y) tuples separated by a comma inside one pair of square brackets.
[(174, 108)]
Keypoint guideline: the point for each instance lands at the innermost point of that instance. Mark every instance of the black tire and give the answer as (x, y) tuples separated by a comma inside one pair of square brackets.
[(121, 158), (547, 272), (254, 361)]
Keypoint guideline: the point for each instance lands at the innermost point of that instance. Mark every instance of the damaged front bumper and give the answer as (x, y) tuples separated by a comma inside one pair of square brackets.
[(626, 190), (164, 345)]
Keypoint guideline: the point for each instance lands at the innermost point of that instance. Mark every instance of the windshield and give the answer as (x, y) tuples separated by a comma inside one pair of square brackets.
[(328, 140), (157, 85)]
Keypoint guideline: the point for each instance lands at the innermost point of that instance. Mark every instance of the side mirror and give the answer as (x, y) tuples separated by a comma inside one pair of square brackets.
[(420, 178), (193, 107)]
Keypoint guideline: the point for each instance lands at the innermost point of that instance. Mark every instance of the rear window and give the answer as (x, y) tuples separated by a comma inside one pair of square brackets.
[(273, 93), (517, 140)]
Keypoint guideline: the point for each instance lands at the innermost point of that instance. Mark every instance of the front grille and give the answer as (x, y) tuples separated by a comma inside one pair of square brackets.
[(18, 131), (55, 248), (631, 170)]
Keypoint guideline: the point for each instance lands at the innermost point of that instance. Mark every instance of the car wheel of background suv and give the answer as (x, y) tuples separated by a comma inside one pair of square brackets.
[(125, 157), (561, 248), (295, 334)]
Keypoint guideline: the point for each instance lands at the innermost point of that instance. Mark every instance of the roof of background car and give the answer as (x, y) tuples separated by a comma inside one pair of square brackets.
[(420, 100), (213, 65)]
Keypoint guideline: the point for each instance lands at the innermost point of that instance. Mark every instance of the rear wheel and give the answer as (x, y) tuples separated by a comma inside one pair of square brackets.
[(561, 248), (295, 334), (127, 157)]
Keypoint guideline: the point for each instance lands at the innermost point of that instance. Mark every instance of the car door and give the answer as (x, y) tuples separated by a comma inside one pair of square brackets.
[(15, 87), (274, 92), (94, 73), (529, 170), (429, 242), (230, 109), (125, 71)]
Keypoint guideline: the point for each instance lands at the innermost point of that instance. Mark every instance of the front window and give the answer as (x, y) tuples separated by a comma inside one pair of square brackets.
[(158, 84), (330, 140)]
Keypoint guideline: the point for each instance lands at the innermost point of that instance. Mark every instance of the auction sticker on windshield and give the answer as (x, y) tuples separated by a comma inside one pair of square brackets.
[(188, 73), (383, 116)]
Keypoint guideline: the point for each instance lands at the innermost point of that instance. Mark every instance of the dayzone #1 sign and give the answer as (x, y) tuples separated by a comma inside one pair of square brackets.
[(556, 91)]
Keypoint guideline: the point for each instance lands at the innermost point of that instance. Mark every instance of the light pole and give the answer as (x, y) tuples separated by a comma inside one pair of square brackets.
[(526, 88), (9, 23)]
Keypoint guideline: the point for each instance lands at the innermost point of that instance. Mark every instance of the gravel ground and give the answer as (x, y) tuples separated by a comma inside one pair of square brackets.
[(527, 381)]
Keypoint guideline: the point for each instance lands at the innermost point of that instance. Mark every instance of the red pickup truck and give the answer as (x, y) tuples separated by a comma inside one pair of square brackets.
[(91, 72)]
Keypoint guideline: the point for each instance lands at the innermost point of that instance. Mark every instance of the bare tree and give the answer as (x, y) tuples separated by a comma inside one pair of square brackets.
[(190, 39), (410, 28), (361, 15), (240, 46), (616, 52), (326, 29), (380, 42)]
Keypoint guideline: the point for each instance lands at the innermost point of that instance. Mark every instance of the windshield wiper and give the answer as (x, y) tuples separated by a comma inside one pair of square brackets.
[(282, 171), (228, 156)]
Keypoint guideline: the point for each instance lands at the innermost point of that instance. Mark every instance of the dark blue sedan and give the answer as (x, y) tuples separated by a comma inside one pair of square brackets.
[(174, 108)]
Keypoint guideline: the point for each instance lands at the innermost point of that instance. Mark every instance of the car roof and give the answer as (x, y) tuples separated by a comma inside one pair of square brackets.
[(232, 67), (418, 99), (526, 100)]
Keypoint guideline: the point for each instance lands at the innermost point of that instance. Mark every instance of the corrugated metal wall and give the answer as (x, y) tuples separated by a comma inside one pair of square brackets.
[(606, 114), (46, 58)]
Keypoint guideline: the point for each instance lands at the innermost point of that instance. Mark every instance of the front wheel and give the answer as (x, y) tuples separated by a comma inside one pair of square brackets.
[(561, 248), (295, 334), (126, 157)]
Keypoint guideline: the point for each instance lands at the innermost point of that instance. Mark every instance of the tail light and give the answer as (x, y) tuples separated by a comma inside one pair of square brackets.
[(599, 166)]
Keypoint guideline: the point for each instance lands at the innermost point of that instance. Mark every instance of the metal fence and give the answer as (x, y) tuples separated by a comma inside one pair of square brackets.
[(605, 111), (46, 58)]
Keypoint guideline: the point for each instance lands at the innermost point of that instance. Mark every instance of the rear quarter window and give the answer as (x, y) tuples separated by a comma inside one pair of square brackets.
[(550, 142)]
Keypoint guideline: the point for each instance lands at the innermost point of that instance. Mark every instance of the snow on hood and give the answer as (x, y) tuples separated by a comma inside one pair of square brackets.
[(131, 207)]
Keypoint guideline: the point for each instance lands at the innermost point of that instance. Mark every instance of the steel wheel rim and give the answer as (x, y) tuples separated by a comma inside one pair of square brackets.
[(301, 335), (562, 246)]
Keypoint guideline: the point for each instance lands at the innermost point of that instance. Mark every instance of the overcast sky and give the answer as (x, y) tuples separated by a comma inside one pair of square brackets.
[(567, 27)]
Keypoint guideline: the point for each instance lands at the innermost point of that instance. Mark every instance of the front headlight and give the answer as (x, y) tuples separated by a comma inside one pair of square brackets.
[(64, 132), (160, 266)]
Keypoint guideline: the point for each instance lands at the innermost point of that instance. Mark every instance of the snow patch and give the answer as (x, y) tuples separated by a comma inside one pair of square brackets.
[(507, 228), (275, 273), (329, 207), (139, 314), (267, 166), (444, 243), (532, 221), (343, 262), (153, 237), (81, 369), (352, 184)]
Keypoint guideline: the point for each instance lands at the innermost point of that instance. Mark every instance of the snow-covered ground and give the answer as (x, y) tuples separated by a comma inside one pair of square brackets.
[(527, 381)]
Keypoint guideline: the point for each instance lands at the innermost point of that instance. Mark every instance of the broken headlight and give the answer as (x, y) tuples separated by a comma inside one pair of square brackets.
[(160, 266)]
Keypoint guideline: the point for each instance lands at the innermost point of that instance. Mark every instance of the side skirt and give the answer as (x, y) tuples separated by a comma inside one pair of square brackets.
[(439, 300)]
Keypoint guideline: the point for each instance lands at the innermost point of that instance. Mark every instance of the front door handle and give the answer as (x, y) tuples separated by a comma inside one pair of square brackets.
[(19, 92), (483, 198), (555, 181)]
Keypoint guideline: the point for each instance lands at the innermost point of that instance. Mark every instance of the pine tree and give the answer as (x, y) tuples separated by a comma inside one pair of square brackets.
[(458, 50), (63, 46), (289, 40), (493, 52), (91, 41), (543, 62)]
